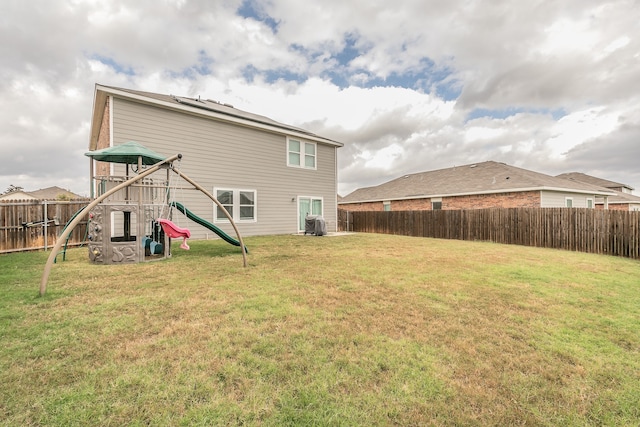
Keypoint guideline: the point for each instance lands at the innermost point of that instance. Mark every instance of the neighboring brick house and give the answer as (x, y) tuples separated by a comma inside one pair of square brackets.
[(475, 186), (623, 200)]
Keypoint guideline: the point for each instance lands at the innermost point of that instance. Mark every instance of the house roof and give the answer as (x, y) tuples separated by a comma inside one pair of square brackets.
[(205, 107), (618, 198), (478, 178), (16, 195), (53, 193), (621, 198), (583, 177), (49, 193)]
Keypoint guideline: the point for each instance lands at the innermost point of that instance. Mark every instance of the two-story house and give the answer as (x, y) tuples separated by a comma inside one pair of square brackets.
[(267, 174)]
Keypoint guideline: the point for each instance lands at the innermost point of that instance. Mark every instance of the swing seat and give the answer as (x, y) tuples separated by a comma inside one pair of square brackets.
[(154, 247), (173, 231)]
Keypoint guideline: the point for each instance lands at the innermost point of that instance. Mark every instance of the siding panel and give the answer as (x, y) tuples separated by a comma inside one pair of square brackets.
[(555, 199), (222, 155)]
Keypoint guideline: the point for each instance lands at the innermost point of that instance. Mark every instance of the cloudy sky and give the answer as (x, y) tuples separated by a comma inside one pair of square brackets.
[(407, 86)]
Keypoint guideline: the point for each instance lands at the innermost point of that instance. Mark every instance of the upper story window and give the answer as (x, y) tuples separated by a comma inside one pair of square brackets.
[(301, 154), (241, 205)]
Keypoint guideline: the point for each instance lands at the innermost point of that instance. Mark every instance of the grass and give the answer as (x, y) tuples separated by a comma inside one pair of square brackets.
[(350, 330)]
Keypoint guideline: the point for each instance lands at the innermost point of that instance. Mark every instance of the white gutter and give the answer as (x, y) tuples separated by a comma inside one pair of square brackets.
[(476, 193)]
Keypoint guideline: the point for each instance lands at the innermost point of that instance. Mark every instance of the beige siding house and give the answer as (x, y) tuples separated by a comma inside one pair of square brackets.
[(269, 175), (623, 200), (474, 186)]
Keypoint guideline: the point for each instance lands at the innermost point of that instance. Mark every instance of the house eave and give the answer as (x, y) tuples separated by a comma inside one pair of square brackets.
[(97, 114)]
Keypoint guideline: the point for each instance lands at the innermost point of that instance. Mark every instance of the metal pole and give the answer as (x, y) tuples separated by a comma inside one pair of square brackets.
[(199, 187), (46, 225), (91, 179)]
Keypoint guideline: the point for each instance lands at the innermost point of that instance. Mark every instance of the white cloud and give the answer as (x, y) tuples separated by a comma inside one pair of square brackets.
[(383, 158), (578, 127), (478, 133), (567, 36)]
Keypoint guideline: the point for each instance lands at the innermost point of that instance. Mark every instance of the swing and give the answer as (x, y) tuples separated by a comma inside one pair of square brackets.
[(152, 243), (173, 231), (170, 229)]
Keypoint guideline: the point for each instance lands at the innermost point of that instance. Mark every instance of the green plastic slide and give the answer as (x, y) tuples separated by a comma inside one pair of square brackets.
[(200, 221)]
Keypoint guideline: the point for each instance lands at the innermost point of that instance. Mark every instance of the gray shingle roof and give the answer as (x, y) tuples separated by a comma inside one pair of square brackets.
[(583, 177), (52, 193), (477, 178), (212, 106), (621, 198), (618, 198)]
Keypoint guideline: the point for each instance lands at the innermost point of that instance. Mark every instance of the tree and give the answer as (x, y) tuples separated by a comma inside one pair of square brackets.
[(13, 189)]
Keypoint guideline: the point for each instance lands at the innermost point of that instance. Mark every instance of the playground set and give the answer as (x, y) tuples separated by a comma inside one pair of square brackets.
[(130, 218)]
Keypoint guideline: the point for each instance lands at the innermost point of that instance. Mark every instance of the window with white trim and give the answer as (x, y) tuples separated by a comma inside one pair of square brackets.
[(301, 154), (568, 202), (241, 205), (589, 203), (386, 206)]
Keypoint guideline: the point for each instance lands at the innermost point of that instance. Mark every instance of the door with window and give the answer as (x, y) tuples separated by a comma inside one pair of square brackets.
[(308, 206)]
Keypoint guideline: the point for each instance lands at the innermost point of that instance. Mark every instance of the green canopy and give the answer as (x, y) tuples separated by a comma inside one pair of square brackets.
[(126, 153)]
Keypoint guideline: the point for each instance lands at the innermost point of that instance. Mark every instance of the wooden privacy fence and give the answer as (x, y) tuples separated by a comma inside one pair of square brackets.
[(585, 230), (35, 224)]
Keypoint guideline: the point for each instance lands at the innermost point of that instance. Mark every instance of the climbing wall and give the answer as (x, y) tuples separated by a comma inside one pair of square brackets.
[(115, 235)]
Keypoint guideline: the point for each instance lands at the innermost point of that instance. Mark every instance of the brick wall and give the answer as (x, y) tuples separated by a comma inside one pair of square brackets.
[(104, 139), (615, 207), (358, 207), (523, 199)]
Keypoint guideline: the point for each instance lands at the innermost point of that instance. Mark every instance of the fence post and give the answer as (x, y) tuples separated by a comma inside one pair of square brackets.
[(45, 222)]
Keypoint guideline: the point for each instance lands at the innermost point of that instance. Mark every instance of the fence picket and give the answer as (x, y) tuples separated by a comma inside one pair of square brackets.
[(22, 224), (575, 229)]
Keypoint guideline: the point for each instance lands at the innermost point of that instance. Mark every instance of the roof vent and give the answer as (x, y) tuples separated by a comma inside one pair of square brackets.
[(473, 166)]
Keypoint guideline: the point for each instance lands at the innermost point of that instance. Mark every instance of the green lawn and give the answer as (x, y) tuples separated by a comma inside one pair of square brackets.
[(353, 330)]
